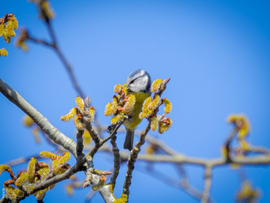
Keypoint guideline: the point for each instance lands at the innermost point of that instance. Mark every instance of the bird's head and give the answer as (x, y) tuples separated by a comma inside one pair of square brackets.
[(139, 81)]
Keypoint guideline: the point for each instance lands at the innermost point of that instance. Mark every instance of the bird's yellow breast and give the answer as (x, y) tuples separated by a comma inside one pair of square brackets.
[(140, 97)]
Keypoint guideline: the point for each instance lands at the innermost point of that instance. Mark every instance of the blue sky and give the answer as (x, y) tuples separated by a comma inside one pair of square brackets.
[(216, 53)]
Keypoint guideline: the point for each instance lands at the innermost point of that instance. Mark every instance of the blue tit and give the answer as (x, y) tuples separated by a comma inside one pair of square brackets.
[(139, 84)]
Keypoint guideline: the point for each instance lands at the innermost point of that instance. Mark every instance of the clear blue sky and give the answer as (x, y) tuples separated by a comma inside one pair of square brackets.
[(216, 53)]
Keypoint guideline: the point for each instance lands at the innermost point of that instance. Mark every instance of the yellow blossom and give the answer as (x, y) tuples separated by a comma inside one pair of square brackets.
[(69, 189), (164, 125), (3, 167), (27, 121), (168, 105), (55, 166), (64, 159), (155, 103), (47, 9), (11, 192), (146, 103), (43, 172), (70, 115), (156, 85), (145, 109), (86, 137), (41, 194), (241, 122), (92, 113), (80, 103), (78, 124), (154, 123), (129, 106), (111, 108), (118, 88), (3, 52), (247, 192), (46, 154), (22, 178), (244, 145), (31, 169), (115, 119)]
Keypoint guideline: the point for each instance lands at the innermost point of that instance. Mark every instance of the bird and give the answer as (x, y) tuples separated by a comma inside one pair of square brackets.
[(139, 84)]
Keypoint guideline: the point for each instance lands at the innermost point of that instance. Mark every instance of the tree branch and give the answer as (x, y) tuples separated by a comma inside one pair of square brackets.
[(116, 161), (207, 185), (132, 159)]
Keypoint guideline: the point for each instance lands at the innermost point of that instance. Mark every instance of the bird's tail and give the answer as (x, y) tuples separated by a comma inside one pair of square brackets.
[(128, 144)]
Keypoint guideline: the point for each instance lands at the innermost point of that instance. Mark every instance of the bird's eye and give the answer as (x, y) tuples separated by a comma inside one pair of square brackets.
[(131, 81)]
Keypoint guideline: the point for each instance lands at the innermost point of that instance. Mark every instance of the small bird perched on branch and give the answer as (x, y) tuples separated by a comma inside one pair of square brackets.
[(139, 84)]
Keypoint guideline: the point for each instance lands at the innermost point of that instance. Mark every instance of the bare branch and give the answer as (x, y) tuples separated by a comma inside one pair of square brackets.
[(228, 142), (132, 159), (207, 184), (117, 161), (79, 147), (39, 41), (98, 141)]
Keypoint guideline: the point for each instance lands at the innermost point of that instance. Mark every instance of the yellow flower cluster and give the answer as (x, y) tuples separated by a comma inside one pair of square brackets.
[(121, 105), (161, 123), (115, 119), (86, 138), (59, 163), (242, 124), (4, 167), (156, 85), (45, 10), (36, 172), (8, 24), (151, 107), (80, 113), (111, 108), (13, 192), (247, 193), (21, 40), (3, 52), (164, 125)]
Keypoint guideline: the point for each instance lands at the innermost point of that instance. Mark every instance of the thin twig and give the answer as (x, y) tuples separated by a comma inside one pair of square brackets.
[(207, 184), (187, 187), (39, 41), (99, 142), (228, 142)]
